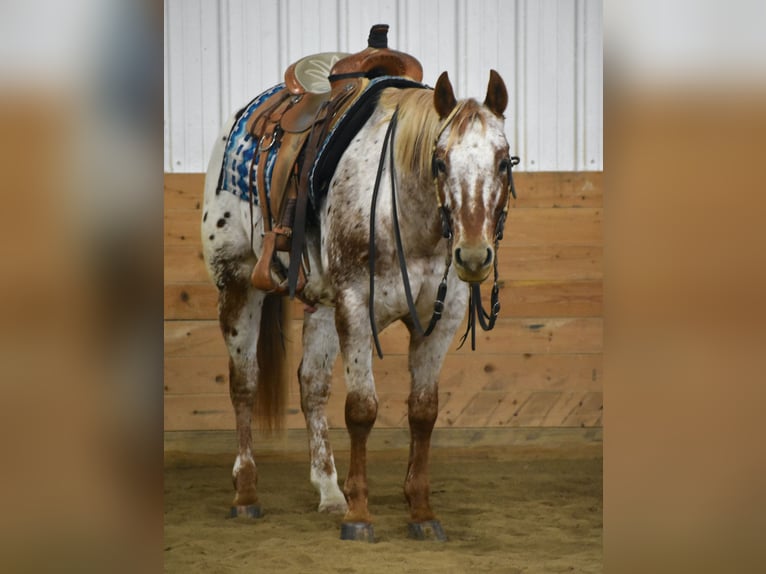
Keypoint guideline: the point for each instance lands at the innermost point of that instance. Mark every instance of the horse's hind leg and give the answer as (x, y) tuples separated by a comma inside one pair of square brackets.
[(240, 308), (320, 349)]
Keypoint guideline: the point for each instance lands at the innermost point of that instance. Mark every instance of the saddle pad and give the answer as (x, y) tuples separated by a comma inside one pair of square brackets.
[(240, 147), (344, 131)]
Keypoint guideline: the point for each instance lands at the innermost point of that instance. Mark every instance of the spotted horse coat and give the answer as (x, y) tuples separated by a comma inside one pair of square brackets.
[(447, 153)]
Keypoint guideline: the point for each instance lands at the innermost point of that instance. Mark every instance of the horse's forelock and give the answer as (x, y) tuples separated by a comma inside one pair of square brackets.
[(470, 112)]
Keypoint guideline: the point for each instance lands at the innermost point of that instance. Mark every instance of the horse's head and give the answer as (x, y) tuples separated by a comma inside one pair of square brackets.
[(471, 168)]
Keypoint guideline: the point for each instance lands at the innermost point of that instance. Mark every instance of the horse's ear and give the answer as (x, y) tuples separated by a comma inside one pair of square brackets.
[(497, 95), (444, 96)]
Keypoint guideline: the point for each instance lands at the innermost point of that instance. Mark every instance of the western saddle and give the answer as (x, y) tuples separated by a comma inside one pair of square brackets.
[(318, 90)]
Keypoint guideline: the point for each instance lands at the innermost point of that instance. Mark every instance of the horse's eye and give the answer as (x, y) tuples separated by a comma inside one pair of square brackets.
[(439, 166), (504, 164)]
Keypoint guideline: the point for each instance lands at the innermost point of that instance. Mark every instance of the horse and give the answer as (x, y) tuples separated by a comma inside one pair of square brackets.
[(448, 163)]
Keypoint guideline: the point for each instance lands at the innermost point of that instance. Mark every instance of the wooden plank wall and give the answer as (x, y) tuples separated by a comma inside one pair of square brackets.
[(540, 367)]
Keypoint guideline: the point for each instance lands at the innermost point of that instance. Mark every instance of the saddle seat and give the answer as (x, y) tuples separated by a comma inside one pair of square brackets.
[(297, 119), (311, 73)]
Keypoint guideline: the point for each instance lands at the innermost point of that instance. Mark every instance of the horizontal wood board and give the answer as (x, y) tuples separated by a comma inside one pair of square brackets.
[(540, 368)]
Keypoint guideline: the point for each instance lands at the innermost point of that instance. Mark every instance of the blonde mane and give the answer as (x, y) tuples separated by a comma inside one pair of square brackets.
[(419, 125)]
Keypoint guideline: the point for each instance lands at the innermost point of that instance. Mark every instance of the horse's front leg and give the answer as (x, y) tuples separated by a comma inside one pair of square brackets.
[(361, 410), (426, 356)]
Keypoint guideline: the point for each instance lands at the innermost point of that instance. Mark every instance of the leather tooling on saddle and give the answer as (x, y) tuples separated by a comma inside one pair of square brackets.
[(285, 145)]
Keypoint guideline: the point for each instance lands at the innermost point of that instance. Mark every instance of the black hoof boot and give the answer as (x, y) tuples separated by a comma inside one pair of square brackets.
[(428, 530), (357, 531), (248, 511)]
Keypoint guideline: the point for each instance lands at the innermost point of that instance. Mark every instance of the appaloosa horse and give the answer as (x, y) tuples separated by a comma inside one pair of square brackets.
[(451, 166)]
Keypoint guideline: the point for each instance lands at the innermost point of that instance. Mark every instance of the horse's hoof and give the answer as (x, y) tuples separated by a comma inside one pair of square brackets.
[(357, 531), (428, 530), (334, 507), (248, 511)]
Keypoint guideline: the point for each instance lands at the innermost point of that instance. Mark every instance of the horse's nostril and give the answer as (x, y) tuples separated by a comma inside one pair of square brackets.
[(471, 257)]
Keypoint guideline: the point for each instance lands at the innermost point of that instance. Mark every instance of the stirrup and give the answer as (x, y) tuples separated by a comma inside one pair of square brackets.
[(263, 277), (283, 240)]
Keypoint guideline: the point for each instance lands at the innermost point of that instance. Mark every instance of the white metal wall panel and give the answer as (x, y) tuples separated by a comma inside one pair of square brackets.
[(219, 54), (428, 28), (166, 98), (591, 59)]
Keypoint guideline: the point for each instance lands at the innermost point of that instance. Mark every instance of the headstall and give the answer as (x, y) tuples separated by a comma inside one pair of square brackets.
[(475, 308)]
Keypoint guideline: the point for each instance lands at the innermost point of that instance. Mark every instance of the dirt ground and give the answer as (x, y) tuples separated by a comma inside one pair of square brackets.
[(510, 510)]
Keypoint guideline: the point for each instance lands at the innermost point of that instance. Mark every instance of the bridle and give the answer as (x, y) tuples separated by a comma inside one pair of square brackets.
[(475, 308)]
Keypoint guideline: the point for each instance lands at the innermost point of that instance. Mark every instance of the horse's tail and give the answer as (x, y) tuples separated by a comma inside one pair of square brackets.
[(271, 397)]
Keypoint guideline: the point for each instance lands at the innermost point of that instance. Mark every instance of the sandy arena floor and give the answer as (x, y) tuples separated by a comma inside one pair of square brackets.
[(512, 509)]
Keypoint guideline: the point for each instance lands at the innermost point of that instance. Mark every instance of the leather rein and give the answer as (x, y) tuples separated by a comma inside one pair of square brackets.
[(475, 307)]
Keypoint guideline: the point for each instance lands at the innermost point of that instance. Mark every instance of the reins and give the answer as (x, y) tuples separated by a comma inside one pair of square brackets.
[(441, 293), (476, 310)]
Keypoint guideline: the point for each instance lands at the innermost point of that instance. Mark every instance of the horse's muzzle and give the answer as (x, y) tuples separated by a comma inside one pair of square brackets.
[(473, 263)]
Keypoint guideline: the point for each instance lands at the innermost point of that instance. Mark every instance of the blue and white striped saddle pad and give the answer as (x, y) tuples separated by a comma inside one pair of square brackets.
[(240, 147)]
